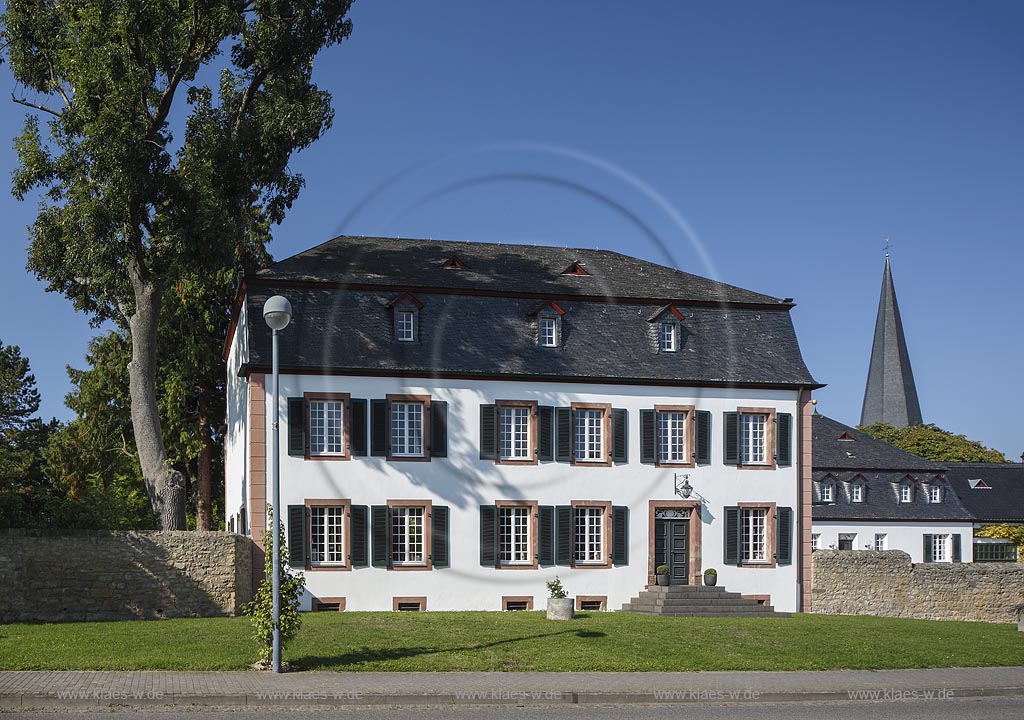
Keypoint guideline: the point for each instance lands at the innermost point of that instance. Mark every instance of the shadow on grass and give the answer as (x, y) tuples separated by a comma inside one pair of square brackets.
[(372, 655)]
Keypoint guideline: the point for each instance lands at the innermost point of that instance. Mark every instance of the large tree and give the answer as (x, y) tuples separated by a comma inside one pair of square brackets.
[(934, 443), (22, 437), (145, 189)]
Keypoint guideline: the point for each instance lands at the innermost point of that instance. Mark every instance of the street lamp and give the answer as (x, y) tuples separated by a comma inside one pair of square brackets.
[(277, 312)]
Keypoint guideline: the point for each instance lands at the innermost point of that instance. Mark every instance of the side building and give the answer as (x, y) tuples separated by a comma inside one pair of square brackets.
[(462, 422), (993, 494), (871, 495)]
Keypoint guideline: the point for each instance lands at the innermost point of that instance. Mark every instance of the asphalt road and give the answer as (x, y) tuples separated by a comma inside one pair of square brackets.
[(995, 708)]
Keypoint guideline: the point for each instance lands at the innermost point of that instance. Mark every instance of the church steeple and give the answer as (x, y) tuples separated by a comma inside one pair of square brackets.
[(890, 396)]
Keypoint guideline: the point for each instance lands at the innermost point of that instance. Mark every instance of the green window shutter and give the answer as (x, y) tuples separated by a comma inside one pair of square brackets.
[(620, 435), (784, 536), (733, 532), (380, 532), (702, 437), (563, 429), (546, 535), (783, 439), (563, 535), (545, 432), (488, 535), (357, 429), (357, 529), (731, 436), (379, 427), (488, 432), (296, 536), (957, 552), (439, 535), (620, 535), (647, 437), (297, 427), (927, 548), (438, 429)]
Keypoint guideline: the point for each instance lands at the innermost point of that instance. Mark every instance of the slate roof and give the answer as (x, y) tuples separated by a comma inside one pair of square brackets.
[(531, 269), (1004, 502), (881, 467), (890, 395), (476, 322)]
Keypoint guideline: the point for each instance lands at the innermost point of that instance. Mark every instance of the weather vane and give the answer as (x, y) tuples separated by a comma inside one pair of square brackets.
[(887, 243)]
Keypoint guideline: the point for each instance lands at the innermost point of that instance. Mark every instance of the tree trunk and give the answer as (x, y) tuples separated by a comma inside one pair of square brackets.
[(166, 486), (204, 468)]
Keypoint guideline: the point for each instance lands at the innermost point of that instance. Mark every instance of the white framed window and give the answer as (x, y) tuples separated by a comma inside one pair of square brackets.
[(826, 491), (668, 337), (514, 536), (589, 541), (856, 492), (904, 492), (406, 429), (881, 541), (940, 548), (405, 325), (815, 541), (755, 535), (326, 427), (326, 535), (672, 437), (548, 331), (754, 437), (934, 494), (514, 433), (589, 435), (847, 541), (407, 536)]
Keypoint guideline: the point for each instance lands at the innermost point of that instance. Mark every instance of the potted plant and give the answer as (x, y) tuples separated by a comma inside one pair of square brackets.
[(560, 606), (710, 577), (661, 575)]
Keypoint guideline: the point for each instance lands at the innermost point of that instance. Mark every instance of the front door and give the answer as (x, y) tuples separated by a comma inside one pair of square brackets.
[(672, 548)]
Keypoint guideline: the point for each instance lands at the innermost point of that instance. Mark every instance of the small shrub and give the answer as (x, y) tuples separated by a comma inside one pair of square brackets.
[(661, 570), (710, 571), (556, 589), (261, 609)]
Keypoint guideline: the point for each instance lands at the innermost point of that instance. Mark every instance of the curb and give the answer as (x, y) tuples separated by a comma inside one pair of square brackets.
[(320, 699)]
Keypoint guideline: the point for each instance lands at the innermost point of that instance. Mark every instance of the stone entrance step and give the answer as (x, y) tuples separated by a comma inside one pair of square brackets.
[(697, 601)]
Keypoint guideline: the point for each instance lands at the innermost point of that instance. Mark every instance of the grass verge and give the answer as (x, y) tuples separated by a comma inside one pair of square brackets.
[(524, 641)]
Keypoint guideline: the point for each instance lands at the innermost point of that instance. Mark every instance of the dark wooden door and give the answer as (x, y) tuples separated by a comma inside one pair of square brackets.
[(672, 548)]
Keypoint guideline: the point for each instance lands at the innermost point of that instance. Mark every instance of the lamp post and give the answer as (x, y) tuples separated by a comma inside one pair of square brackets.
[(277, 312)]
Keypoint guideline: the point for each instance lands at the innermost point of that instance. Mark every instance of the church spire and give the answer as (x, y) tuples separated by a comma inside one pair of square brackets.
[(890, 396)]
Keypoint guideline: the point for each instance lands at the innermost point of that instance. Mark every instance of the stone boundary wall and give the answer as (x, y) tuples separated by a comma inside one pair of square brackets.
[(52, 576), (887, 584)]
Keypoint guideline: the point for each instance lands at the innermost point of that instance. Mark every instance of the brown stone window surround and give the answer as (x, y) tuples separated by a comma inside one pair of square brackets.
[(696, 525), (606, 538), (506, 600), (532, 505), (591, 599), (425, 400), (427, 506), (398, 602), (769, 531), (606, 430), (532, 443), (346, 418), (323, 603), (346, 513), (769, 438), (689, 430)]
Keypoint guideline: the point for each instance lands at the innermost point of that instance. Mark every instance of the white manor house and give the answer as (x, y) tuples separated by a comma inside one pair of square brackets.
[(462, 422)]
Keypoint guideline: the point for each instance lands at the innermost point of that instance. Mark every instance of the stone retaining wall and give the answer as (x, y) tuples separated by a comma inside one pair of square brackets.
[(96, 575), (887, 584)]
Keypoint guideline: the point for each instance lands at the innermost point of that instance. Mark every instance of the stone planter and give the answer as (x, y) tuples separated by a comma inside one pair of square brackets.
[(561, 609), (711, 579), (662, 580), (1020, 618)]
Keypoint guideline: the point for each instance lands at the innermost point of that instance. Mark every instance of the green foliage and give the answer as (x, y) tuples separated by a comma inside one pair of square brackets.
[(261, 608), (661, 570), (710, 571), (934, 443), (1005, 532), (556, 589)]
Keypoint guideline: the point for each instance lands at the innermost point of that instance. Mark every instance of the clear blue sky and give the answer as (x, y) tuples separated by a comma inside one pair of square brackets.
[(770, 145)]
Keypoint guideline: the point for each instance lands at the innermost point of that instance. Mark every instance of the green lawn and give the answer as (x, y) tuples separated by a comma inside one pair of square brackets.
[(519, 641)]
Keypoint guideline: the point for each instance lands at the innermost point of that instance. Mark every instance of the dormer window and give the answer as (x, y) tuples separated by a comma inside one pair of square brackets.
[(405, 326), (668, 337), (856, 492), (934, 493), (548, 331), (905, 493), (549, 323), (826, 492)]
